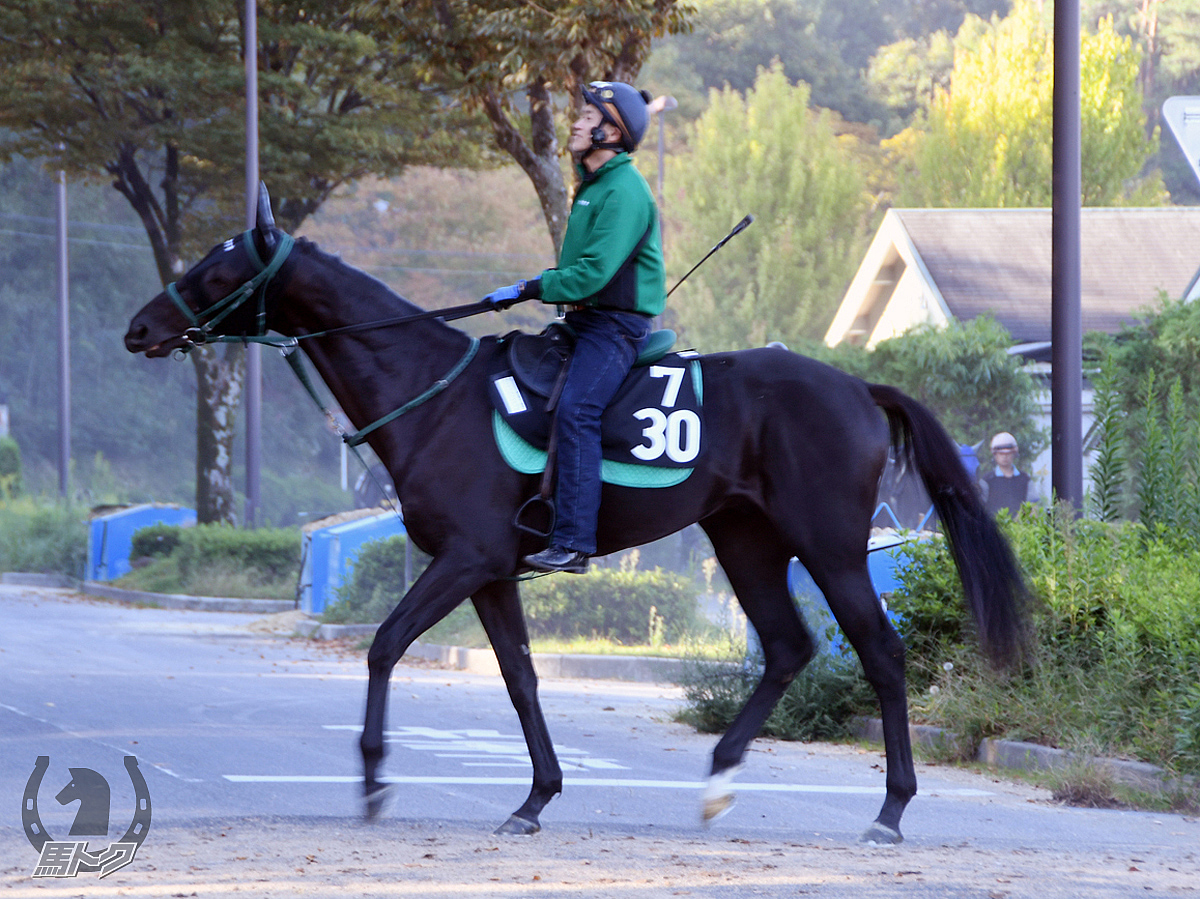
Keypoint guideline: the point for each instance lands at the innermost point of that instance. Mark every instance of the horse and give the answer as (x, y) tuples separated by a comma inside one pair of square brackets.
[(795, 449)]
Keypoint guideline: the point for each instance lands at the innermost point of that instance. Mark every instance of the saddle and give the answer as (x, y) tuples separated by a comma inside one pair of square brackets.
[(537, 360), (654, 419)]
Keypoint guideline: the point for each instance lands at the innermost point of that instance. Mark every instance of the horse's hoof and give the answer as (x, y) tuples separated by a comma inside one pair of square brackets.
[(519, 827), (378, 800), (881, 835), (718, 797)]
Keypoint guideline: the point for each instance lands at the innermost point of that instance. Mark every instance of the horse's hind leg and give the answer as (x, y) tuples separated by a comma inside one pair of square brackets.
[(499, 608), (856, 607), (755, 560)]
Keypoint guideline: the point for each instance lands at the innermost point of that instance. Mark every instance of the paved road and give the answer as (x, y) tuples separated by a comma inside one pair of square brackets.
[(232, 724)]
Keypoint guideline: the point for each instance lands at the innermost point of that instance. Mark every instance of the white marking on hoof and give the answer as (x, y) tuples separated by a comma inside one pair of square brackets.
[(881, 835), (718, 796)]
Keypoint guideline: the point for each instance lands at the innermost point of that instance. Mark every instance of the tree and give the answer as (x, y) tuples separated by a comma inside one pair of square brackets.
[(825, 44), (767, 154), (963, 372), (507, 59), (986, 140), (151, 95)]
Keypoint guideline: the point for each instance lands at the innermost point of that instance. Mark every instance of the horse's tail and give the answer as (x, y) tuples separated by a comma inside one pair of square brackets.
[(991, 579)]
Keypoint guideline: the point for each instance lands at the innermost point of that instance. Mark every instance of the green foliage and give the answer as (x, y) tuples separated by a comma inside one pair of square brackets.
[(150, 97), (986, 140), (623, 605), (1115, 651), (824, 44), (964, 373), (769, 154), (42, 537), (216, 560), (11, 483), (1105, 498), (503, 59), (1150, 392), (820, 704), (155, 540), (272, 552)]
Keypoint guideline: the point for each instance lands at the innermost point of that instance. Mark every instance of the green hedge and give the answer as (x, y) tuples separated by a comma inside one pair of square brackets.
[(41, 538), (274, 552), (626, 606), (215, 560), (622, 605)]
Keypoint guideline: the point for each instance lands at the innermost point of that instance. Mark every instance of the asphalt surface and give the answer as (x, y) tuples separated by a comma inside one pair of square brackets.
[(233, 724)]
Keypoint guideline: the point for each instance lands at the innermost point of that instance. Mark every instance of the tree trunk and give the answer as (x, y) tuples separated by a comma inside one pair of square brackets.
[(219, 378), (220, 373), (539, 161)]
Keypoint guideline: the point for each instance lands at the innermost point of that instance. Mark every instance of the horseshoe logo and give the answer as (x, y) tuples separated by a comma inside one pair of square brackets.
[(36, 832)]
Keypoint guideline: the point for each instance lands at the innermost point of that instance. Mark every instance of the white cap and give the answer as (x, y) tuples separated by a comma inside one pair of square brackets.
[(1004, 440)]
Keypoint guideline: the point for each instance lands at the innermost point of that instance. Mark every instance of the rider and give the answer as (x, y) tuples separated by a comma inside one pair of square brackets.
[(610, 277)]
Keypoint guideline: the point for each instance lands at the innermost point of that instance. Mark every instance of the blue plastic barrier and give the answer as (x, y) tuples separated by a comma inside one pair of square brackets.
[(329, 554), (110, 536)]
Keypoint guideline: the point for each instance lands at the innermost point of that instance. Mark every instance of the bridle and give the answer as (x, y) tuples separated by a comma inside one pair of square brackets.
[(204, 321)]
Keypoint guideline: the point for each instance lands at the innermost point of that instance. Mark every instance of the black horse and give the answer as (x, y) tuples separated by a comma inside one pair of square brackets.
[(793, 460)]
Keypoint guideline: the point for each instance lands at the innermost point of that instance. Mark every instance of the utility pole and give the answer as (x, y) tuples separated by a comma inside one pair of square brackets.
[(253, 350), (64, 338), (1066, 331)]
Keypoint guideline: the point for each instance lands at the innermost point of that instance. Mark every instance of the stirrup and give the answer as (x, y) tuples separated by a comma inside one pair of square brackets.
[(529, 508)]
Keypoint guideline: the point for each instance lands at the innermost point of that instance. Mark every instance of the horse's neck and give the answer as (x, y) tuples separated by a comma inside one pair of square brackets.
[(371, 372)]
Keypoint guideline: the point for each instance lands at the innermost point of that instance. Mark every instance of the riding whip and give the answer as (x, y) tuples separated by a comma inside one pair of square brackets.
[(737, 229)]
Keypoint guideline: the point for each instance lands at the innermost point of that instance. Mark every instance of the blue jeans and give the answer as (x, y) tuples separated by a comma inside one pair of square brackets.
[(606, 345)]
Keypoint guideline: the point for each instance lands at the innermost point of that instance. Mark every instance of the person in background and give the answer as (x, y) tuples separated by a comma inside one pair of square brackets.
[(1004, 486)]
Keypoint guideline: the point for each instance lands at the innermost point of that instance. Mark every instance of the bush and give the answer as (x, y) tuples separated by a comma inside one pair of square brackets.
[(216, 560), (155, 541), (623, 605), (273, 552), (1115, 650), (820, 704), (42, 538), (11, 484)]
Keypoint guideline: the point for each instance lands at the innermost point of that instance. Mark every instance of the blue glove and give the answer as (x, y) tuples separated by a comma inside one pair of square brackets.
[(503, 297)]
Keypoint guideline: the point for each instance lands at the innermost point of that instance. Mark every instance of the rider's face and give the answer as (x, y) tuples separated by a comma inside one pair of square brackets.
[(581, 131)]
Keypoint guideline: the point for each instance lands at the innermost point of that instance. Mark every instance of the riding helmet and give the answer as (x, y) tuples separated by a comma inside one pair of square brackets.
[(623, 106)]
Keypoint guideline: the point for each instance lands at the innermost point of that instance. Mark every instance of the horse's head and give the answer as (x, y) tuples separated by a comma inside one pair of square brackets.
[(221, 295)]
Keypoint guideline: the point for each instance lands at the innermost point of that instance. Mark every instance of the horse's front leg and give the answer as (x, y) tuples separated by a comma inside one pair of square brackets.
[(499, 608), (449, 579)]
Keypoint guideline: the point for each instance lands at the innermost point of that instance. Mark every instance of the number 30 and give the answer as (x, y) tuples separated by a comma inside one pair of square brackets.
[(677, 434)]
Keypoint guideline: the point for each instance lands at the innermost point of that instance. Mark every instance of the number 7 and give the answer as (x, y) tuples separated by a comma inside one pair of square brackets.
[(674, 378)]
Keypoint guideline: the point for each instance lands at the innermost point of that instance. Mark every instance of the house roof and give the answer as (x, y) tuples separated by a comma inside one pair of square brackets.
[(998, 261)]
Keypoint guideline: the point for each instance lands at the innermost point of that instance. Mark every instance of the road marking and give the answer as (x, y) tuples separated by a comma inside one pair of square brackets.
[(582, 782), (494, 748)]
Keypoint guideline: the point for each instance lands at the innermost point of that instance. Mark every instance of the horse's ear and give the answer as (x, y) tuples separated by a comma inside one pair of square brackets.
[(265, 219)]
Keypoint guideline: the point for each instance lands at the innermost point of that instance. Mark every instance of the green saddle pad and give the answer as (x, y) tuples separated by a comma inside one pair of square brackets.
[(526, 458)]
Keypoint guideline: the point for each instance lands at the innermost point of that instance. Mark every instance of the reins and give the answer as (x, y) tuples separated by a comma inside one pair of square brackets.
[(202, 323)]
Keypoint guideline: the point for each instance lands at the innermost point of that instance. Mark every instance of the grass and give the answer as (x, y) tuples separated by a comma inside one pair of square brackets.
[(233, 580)]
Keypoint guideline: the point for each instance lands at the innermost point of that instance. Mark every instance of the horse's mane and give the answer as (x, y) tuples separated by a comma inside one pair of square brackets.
[(339, 268)]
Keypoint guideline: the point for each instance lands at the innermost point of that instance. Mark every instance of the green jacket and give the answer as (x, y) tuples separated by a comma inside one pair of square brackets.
[(612, 213)]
